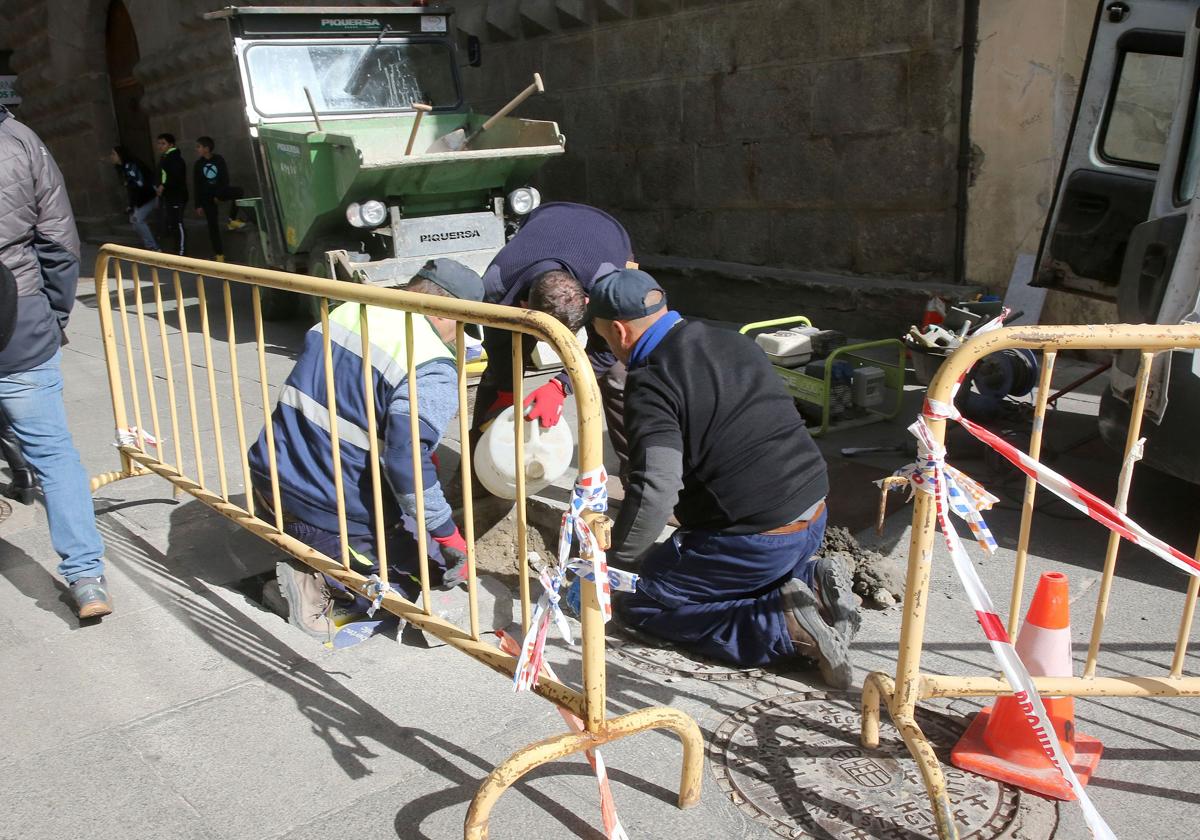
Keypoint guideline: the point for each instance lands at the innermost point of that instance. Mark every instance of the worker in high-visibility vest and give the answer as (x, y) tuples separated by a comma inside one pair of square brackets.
[(304, 452)]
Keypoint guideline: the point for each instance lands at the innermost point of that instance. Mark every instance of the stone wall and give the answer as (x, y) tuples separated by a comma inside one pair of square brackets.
[(807, 134), (810, 134)]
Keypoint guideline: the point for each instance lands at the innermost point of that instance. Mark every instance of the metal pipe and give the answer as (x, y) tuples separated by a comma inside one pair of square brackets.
[(213, 402), (518, 388), (335, 443), (189, 379), (235, 382), (414, 432), (942, 685), (116, 386), (139, 310), (368, 383), (460, 354), (133, 377), (268, 426), (1035, 452), (1120, 503), (166, 351)]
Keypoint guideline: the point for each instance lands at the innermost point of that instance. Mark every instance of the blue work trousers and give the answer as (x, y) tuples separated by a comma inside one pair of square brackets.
[(32, 402), (718, 594), (402, 554)]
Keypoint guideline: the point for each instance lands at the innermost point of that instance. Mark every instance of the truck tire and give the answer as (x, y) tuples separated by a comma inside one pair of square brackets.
[(278, 305)]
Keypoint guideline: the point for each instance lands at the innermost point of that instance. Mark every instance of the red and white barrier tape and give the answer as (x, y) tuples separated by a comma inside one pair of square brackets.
[(591, 493), (613, 830), (930, 475)]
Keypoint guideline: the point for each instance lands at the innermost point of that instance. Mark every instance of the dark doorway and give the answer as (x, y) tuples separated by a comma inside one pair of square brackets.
[(133, 128)]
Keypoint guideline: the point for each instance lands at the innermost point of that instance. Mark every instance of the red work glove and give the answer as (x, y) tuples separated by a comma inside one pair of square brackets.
[(545, 404), (454, 552)]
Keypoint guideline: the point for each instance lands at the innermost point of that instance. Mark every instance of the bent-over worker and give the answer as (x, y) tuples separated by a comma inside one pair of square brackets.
[(549, 265), (304, 452), (714, 438)]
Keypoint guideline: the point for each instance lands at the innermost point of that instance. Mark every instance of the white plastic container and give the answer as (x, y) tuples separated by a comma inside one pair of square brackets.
[(547, 453), (786, 348)]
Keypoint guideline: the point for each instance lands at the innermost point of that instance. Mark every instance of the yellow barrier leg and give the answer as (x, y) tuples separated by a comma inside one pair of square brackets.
[(559, 746)]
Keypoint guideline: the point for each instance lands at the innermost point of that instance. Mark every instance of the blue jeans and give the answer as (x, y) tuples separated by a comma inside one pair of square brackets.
[(718, 594), (138, 219), (32, 401)]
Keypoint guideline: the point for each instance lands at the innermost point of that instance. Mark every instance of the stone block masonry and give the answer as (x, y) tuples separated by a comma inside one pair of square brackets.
[(819, 135)]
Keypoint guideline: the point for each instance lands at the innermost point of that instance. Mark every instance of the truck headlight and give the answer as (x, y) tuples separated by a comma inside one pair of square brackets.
[(369, 214), (524, 200)]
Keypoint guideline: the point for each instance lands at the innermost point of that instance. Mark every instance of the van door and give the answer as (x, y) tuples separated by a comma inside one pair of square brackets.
[(1117, 142)]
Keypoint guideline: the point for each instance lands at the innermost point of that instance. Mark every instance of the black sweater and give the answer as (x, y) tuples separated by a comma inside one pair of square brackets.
[(172, 177), (713, 435), (209, 177)]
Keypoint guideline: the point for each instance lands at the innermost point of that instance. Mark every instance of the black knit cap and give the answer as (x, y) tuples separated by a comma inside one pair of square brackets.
[(454, 277), (625, 295)]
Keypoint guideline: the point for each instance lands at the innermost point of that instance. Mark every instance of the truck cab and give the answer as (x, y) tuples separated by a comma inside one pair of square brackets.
[(1124, 225), (329, 96)]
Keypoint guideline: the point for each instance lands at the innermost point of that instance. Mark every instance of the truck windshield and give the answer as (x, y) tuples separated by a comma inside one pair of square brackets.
[(393, 77)]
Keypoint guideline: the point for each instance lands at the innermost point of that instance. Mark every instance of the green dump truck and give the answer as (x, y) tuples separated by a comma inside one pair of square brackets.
[(331, 95)]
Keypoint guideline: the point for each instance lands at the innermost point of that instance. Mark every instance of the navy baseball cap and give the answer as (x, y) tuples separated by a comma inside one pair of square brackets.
[(454, 277), (625, 295)]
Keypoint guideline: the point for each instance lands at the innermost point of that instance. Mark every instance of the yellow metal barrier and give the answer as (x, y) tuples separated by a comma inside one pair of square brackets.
[(119, 267), (910, 685)]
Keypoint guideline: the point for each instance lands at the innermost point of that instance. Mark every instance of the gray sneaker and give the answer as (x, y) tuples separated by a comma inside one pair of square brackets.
[(812, 637), (834, 593), (308, 599), (91, 597)]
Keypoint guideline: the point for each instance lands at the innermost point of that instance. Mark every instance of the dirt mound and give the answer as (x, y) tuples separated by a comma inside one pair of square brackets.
[(878, 580)]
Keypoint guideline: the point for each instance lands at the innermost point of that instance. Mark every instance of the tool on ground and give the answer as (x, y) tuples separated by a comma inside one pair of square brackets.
[(854, 451), (999, 744), (422, 109), (458, 139)]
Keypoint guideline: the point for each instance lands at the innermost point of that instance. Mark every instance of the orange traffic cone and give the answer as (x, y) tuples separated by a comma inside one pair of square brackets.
[(999, 743)]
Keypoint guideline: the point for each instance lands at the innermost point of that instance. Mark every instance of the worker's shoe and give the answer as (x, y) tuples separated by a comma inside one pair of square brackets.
[(308, 597), (832, 584), (235, 224), (812, 637), (91, 597)]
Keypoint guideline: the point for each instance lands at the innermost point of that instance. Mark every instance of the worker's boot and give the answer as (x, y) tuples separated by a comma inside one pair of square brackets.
[(309, 600), (812, 637), (23, 483), (832, 584)]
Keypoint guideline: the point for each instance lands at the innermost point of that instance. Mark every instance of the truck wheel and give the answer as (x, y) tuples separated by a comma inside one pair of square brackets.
[(277, 305)]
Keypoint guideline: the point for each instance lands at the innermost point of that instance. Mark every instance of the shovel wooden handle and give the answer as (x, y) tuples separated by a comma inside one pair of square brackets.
[(536, 87), (422, 109)]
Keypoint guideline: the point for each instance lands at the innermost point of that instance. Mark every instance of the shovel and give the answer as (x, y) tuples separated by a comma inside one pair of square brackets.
[(458, 139)]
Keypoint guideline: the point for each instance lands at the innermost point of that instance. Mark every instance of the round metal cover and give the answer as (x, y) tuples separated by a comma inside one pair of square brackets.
[(662, 658), (5, 510), (794, 763)]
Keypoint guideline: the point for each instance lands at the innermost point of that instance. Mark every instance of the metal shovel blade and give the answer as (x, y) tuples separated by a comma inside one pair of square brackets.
[(450, 142)]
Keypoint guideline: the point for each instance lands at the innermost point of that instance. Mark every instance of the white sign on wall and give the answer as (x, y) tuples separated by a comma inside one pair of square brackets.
[(8, 91)]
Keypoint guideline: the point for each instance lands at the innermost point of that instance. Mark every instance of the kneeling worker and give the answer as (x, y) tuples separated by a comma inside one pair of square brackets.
[(714, 437), (303, 445)]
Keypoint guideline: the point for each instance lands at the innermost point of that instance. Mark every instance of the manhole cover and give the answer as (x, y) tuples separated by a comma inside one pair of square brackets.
[(794, 763), (5, 510), (660, 658)]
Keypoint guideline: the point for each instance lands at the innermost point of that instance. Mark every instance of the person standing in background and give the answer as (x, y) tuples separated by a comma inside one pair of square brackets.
[(172, 189), (210, 178)]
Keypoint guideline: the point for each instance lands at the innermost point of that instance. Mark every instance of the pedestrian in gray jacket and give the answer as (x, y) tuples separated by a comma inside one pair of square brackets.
[(40, 246)]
